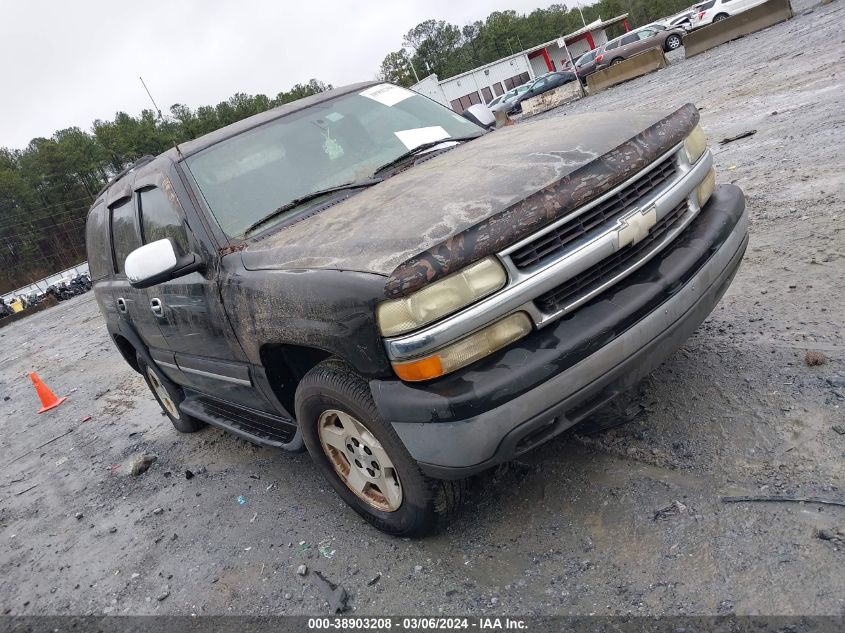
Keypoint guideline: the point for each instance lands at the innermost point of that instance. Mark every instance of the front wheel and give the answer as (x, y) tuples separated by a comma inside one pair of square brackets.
[(673, 42), (362, 456)]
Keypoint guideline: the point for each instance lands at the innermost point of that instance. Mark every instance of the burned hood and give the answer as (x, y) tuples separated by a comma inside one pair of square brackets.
[(471, 201)]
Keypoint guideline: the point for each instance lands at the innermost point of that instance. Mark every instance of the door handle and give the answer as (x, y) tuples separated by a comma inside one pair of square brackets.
[(121, 304), (156, 307)]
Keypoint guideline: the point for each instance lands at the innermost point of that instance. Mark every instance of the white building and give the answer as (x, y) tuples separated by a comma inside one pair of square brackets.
[(481, 84)]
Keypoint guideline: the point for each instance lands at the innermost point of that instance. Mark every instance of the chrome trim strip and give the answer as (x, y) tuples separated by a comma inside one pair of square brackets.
[(527, 284), (170, 365), (208, 374)]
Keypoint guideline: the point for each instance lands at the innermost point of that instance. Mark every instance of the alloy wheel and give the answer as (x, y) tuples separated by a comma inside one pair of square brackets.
[(359, 460)]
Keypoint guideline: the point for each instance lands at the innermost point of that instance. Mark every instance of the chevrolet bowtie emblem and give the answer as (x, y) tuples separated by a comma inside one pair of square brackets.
[(635, 227)]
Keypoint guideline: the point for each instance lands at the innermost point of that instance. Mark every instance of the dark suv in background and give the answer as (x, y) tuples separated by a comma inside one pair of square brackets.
[(368, 275)]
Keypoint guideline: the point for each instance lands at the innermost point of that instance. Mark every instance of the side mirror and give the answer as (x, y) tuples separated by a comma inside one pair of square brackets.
[(481, 115), (156, 262)]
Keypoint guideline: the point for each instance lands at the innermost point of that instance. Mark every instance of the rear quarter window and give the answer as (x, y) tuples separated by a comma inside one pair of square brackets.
[(97, 242)]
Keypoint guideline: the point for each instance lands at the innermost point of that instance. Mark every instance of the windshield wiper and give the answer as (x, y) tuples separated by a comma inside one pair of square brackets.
[(419, 149), (312, 196)]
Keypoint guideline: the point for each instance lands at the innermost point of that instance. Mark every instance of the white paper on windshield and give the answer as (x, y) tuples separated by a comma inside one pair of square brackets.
[(421, 135), (387, 94)]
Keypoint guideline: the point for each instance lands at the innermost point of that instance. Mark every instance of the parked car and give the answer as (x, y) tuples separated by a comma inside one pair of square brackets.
[(718, 10), (542, 84), (509, 96), (586, 64), (638, 41), (496, 100), (347, 273)]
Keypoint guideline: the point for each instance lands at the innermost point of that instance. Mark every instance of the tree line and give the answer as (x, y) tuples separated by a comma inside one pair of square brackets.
[(435, 46), (47, 187)]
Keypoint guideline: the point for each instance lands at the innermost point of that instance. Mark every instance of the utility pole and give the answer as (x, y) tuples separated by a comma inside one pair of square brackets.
[(413, 70), (578, 6)]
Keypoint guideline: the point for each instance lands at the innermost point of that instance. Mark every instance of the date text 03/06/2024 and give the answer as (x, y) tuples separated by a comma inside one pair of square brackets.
[(417, 624)]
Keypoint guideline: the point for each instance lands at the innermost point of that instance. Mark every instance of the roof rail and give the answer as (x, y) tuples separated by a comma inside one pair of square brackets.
[(138, 163)]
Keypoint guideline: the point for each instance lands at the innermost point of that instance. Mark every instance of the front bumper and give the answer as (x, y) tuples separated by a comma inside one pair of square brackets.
[(537, 388)]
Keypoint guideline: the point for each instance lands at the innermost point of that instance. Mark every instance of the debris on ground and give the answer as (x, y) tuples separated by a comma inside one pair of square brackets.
[(324, 548), (334, 594), (302, 570), (374, 580), (189, 474), (814, 358), (241, 499), (141, 464), (782, 499), (731, 139), (158, 510), (163, 595), (254, 516), (835, 537), (676, 508), (839, 429)]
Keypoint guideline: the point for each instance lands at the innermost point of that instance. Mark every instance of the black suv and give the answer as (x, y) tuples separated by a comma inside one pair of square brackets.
[(371, 276)]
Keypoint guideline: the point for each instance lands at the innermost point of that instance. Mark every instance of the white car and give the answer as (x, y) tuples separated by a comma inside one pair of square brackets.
[(717, 10)]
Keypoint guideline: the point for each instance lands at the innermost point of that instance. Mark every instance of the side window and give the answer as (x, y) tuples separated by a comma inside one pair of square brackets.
[(97, 242), (124, 232), (644, 35), (160, 220), (630, 39), (611, 45)]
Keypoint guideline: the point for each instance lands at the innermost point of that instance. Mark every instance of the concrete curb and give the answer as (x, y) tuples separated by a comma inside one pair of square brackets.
[(636, 66), (760, 17)]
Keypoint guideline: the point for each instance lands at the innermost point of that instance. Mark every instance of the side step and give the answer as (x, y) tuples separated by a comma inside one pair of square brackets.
[(254, 426)]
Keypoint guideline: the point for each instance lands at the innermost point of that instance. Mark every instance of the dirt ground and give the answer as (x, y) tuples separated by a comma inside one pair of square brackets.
[(628, 521)]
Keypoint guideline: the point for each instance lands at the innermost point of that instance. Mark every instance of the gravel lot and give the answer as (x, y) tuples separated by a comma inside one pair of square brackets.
[(628, 521)]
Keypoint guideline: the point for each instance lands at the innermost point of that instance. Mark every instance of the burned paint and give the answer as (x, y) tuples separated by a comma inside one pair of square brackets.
[(543, 207)]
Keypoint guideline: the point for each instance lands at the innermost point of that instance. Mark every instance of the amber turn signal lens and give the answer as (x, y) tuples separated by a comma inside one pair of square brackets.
[(422, 369)]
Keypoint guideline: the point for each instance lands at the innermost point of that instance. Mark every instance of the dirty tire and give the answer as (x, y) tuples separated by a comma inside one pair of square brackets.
[(181, 421), (673, 42), (616, 61), (720, 17), (334, 386)]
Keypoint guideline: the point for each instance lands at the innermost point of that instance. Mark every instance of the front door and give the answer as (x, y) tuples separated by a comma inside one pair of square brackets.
[(189, 311)]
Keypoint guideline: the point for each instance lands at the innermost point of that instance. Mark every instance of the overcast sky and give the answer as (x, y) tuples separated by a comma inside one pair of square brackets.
[(66, 64)]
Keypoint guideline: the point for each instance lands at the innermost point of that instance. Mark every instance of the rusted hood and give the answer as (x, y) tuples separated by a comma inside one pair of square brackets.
[(472, 200)]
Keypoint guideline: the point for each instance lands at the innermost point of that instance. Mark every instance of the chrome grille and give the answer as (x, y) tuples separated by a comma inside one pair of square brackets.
[(606, 211), (558, 298)]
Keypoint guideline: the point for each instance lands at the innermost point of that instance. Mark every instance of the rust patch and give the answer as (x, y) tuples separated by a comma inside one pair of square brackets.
[(232, 248), (543, 207)]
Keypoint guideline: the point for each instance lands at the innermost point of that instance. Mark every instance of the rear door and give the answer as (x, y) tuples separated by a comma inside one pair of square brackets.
[(133, 305)]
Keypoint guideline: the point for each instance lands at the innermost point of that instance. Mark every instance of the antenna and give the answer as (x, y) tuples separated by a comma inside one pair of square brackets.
[(151, 97)]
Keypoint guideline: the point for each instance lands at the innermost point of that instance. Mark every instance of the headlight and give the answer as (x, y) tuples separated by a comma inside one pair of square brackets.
[(467, 350), (441, 298), (695, 144), (705, 189)]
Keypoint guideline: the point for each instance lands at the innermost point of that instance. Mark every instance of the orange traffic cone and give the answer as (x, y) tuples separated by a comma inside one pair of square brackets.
[(47, 397)]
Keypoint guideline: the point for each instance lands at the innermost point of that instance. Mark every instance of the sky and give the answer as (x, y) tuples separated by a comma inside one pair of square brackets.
[(66, 64)]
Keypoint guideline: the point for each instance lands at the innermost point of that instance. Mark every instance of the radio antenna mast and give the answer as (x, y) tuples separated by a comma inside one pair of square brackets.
[(151, 97)]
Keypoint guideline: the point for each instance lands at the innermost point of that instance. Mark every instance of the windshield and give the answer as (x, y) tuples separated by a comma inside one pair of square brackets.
[(340, 141)]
